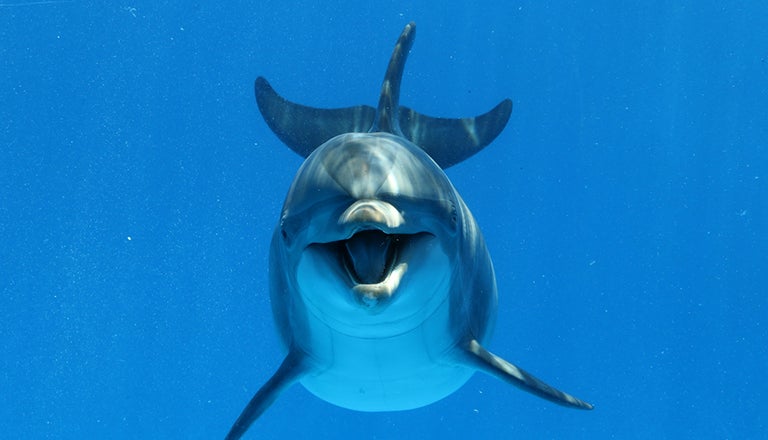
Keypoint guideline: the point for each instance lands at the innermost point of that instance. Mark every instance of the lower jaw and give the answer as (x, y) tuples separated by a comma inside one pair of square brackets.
[(372, 296)]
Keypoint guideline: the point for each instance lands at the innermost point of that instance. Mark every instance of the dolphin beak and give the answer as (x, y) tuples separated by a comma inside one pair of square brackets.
[(372, 212), (370, 254)]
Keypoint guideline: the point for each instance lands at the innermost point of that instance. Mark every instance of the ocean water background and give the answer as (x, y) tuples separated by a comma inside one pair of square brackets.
[(625, 207)]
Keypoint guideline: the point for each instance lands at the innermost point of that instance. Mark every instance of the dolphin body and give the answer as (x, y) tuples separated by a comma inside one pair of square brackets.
[(381, 284)]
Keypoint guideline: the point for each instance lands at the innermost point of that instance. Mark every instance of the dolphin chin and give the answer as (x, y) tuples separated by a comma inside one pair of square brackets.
[(381, 284), (371, 295)]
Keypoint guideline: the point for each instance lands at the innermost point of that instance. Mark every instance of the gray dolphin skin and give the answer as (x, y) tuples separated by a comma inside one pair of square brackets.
[(381, 285)]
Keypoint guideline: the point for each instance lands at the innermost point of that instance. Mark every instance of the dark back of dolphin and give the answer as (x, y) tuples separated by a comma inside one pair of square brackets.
[(448, 141)]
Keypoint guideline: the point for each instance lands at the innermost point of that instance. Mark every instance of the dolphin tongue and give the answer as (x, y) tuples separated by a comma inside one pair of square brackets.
[(368, 255)]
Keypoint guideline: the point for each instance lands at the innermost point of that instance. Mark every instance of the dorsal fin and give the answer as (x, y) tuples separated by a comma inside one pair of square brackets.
[(448, 141), (389, 99)]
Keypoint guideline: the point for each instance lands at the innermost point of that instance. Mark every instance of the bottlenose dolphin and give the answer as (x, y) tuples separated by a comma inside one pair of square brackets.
[(381, 285)]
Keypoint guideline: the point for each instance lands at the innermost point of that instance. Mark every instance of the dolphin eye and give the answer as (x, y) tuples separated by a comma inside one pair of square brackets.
[(283, 229), (287, 235)]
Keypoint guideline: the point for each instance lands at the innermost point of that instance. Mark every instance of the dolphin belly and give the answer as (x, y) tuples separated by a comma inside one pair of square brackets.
[(401, 372)]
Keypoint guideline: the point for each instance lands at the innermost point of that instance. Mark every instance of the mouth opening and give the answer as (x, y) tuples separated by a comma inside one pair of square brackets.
[(370, 255)]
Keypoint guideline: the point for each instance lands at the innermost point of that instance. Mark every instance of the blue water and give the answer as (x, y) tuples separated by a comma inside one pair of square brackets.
[(625, 206)]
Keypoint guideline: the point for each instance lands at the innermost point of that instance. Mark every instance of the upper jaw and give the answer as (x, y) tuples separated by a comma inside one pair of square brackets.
[(372, 212)]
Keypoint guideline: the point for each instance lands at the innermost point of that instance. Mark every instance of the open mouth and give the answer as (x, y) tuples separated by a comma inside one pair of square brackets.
[(374, 262), (370, 268), (370, 255)]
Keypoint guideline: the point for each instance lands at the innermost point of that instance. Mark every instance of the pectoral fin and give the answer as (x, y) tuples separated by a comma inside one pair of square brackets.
[(489, 363), (292, 368)]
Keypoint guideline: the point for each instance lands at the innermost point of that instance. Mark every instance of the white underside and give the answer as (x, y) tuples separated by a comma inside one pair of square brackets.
[(403, 372), (392, 359)]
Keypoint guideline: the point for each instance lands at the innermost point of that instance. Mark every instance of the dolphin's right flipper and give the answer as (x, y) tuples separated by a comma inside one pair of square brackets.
[(449, 141), (488, 362), (305, 128), (292, 368)]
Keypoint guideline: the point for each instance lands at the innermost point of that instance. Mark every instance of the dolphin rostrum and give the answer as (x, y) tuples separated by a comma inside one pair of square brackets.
[(381, 285)]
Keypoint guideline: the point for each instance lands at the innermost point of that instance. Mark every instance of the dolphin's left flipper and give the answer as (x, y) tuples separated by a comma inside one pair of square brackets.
[(489, 363), (292, 368)]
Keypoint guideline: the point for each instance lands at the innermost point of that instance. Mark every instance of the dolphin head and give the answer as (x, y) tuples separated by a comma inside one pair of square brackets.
[(368, 230)]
